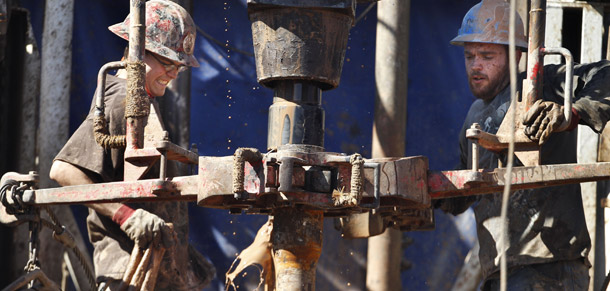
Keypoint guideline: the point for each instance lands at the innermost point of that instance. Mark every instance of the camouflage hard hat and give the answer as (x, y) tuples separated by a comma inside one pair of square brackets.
[(170, 31), (487, 22)]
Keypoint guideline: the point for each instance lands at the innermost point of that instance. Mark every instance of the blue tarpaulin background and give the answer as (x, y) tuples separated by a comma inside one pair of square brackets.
[(229, 110)]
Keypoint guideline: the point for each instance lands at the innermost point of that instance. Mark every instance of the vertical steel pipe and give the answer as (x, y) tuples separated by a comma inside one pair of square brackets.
[(389, 129), (137, 16), (296, 240), (298, 62), (296, 115), (532, 86), (137, 105), (297, 245)]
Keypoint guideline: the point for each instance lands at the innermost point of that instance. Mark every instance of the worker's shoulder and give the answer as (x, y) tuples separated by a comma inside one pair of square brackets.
[(114, 83), (477, 105), (115, 92), (116, 88), (476, 108)]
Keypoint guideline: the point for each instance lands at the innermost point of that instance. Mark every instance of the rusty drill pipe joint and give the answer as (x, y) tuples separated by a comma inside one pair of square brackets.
[(240, 157), (296, 241)]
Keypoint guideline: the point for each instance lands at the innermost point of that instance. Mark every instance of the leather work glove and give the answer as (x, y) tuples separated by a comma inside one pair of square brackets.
[(546, 117), (144, 228)]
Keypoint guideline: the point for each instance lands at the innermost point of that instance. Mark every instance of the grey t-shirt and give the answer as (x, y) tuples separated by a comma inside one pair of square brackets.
[(183, 267)]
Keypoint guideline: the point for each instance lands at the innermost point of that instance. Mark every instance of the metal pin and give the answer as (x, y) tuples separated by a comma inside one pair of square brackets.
[(163, 161), (475, 149)]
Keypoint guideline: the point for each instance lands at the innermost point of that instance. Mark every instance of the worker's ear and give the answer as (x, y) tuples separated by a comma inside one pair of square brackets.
[(518, 56)]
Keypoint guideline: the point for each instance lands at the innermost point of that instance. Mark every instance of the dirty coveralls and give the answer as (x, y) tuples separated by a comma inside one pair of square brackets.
[(548, 238), (183, 268)]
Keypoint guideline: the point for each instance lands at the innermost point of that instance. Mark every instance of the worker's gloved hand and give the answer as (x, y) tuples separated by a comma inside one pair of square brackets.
[(145, 228), (544, 118)]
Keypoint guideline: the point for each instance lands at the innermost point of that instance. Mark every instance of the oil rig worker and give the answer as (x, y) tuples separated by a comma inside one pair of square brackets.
[(548, 240), (115, 227)]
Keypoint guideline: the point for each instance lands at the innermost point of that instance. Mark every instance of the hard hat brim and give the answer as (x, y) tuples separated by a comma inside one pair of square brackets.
[(180, 57), (477, 38)]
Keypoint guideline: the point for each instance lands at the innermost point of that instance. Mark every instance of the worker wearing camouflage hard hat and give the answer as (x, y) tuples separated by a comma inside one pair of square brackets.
[(117, 230), (547, 243), (170, 31)]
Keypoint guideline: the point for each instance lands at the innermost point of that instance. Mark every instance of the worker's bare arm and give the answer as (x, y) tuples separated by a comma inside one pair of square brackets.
[(66, 174)]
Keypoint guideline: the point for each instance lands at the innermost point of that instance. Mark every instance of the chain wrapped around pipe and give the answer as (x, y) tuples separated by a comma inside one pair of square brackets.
[(353, 197), (240, 157), (356, 184)]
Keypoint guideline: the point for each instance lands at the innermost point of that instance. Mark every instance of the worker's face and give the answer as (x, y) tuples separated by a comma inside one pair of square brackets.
[(487, 69), (157, 76)]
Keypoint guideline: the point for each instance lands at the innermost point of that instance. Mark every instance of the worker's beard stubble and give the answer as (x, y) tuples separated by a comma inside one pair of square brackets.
[(494, 85)]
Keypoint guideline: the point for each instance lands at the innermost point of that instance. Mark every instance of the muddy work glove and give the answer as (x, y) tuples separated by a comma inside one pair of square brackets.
[(546, 117), (144, 227)]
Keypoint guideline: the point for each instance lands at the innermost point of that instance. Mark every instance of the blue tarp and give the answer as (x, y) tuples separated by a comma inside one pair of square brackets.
[(229, 110)]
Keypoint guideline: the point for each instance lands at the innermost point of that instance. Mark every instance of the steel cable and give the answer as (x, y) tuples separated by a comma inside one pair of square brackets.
[(364, 13), (511, 145), (56, 226)]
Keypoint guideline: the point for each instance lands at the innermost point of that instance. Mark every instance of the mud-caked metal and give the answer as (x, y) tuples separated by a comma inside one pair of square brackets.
[(299, 49), (300, 40), (312, 179)]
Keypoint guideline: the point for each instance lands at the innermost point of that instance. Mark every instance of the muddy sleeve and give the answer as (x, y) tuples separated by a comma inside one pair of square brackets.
[(591, 91)]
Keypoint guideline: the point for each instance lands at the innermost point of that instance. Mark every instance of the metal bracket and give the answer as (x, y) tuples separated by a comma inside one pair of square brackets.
[(567, 99), (376, 202)]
